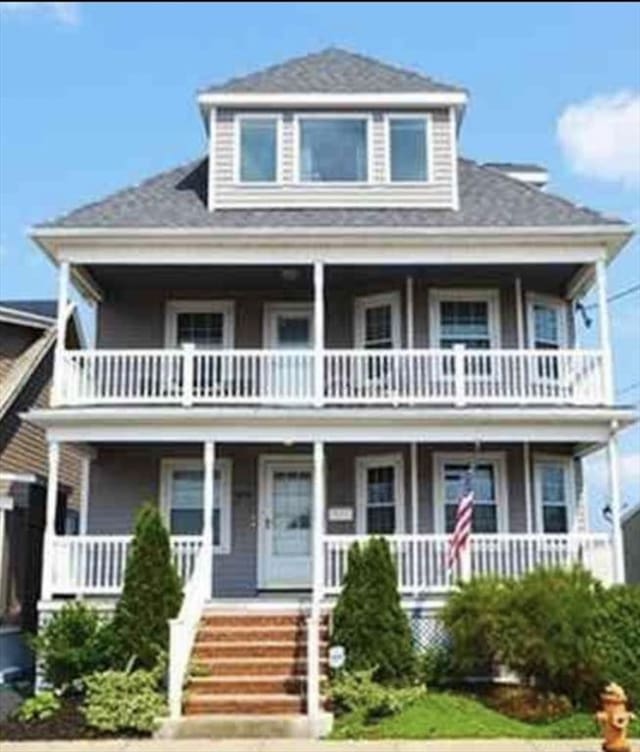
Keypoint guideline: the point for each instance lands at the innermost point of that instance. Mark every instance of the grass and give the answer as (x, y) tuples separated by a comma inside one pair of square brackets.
[(447, 715)]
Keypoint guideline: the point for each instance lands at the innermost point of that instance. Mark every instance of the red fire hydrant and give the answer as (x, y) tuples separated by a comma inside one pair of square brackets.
[(614, 719)]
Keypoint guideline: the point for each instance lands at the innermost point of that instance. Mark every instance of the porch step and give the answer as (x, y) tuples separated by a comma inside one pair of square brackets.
[(276, 684), (242, 667), (266, 633), (252, 619), (293, 650), (266, 704)]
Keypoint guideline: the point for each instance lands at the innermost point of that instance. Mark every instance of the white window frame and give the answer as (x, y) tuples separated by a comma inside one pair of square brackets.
[(362, 466), (223, 465), (366, 116), (499, 462), (363, 303), (540, 459), (175, 307), (428, 121), (238, 119), (447, 294), (270, 313), (549, 301)]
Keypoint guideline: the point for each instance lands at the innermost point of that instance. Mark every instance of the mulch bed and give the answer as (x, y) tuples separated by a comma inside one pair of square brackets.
[(67, 723)]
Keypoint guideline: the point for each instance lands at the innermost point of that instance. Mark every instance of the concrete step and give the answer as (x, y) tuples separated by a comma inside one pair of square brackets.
[(239, 726), (241, 667), (246, 685), (270, 704)]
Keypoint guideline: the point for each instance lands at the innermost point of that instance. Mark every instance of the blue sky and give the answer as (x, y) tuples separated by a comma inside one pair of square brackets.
[(97, 96)]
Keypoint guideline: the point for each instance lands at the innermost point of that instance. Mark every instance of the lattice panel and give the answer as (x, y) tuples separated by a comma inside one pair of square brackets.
[(427, 631)]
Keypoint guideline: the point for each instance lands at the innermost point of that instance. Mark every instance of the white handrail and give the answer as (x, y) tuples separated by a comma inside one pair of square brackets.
[(182, 629)]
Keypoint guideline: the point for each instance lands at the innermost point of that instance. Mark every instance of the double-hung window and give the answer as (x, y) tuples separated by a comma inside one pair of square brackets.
[(182, 492), (257, 149), (553, 490), (379, 490), (408, 144), (377, 321), (547, 322), (333, 149), (205, 324), (465, 317)]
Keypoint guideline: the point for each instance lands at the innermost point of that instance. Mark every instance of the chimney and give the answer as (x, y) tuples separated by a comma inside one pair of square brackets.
[(530, 174)]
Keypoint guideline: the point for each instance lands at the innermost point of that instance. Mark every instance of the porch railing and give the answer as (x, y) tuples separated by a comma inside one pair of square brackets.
[(421, 560), (350, 377), (95, 564)]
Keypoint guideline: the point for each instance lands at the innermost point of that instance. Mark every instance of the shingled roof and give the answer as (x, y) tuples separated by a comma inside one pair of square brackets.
[(334, 71), (178, 198)]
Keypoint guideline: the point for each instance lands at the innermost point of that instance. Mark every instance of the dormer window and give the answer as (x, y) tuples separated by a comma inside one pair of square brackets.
[(258, 149), (333, 149), (408, 145)]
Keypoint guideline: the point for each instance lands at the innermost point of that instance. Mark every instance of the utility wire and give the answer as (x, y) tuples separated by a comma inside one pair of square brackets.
[(617, 296), (629, 388)]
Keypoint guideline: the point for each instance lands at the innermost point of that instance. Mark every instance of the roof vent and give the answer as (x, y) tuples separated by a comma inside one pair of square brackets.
[(527, 173)]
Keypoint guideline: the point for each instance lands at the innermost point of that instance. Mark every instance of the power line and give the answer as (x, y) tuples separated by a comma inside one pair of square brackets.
[(617, 296), (629, 388)]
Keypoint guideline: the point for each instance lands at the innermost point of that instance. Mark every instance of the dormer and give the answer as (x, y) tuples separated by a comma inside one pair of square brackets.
[(333, 129)]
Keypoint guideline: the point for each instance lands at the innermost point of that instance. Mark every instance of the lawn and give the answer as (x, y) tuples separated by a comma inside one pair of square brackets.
[(445, 715)]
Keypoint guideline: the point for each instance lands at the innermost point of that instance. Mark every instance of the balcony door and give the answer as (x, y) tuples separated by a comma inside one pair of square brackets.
[(288, 328)]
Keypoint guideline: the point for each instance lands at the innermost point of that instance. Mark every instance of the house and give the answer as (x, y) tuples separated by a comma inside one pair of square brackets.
[(309, 336), (27, 339), (631, 537)]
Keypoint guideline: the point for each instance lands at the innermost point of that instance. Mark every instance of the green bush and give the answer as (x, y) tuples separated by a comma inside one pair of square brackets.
[(358, 692), (151, 594), (74, 642), (124, 700), (369, 620), (472, 617), (435, 666), (39, 707)]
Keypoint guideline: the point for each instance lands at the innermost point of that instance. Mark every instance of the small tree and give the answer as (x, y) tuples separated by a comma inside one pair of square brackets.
[(369, 620), (151, 595)]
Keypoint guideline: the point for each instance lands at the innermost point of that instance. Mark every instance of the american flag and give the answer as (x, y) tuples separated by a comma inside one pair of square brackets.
[(464, 514)]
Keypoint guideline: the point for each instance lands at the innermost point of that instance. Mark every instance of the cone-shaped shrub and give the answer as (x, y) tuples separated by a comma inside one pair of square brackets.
[(151, 595), (369, 620)]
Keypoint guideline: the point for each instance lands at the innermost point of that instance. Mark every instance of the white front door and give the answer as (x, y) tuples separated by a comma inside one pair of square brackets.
[(285, 528)]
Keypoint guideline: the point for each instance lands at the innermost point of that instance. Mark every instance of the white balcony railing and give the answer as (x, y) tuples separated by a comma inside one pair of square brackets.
[(421, 560), (95, 564), (350, 377)]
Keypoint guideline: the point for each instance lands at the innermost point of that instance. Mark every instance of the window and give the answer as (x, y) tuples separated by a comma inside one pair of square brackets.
[(488, 479), (408, 149), (380, 484), (547, 322), (333, 150), (377, 321), (182, 488), (206, 324), (465, 317), (258, 150), (553, 490)]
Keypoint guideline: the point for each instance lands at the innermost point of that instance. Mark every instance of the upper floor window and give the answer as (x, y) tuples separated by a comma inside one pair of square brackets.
[(258, 149), (465, 317), (553, 485), (333, 149), (203, 323), (377, 321), (547, 322), (408, 149)]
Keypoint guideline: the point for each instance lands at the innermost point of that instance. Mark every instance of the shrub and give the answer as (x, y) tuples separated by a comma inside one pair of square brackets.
[(472, 618), (151, 594), (358, 692), (74, 642), (39, 707), (528, 704), (124, 700), (435, 666), (369, 620)]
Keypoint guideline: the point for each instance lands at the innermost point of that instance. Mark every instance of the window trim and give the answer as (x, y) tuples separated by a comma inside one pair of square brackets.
[(224, 466), (238, 119), (364, 302), (428, 120), (491, 296), (551, 301), (272, 309), (333, 184), (175, 307), (499, 462), (362, 465), (541, 458)]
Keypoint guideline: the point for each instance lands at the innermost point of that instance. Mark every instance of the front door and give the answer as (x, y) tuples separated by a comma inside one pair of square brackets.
[(286, 524), (289, 327)]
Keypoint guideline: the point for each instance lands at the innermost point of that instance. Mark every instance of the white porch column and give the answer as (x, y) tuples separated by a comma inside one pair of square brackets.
[(207, 506), (616, 522), (50, 520), (85, 476), (519, 313), (61, 328), (604, 325), (411, 339), (318, 331), (528, 492), (315, 618)]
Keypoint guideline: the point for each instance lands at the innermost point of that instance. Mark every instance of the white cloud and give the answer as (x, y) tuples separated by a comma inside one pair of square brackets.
[(66, 13), (600, 137)]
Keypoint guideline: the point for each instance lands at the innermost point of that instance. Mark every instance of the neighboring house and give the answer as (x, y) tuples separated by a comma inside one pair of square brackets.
[(27, 339), (309, 336), (631, 534)]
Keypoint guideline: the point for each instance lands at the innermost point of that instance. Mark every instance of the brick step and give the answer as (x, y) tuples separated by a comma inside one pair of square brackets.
[(256, 620), (246, 685), (241, 667), (251, 704), (248, 634), (290, 650)]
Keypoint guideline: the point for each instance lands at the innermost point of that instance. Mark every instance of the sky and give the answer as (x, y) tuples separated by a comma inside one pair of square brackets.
[(97, 96)]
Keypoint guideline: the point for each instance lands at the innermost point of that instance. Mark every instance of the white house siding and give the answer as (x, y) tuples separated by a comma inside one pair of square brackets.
[(436, 194)]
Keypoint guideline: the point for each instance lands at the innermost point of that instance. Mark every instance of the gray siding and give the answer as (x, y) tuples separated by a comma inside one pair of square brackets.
[(438, 193), (631, 532)]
